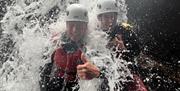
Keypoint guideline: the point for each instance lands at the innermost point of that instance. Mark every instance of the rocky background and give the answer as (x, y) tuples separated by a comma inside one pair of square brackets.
[(157, 25)]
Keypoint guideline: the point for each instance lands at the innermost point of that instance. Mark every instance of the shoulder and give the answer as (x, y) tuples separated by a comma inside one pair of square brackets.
[(56, 53), (59, 50)]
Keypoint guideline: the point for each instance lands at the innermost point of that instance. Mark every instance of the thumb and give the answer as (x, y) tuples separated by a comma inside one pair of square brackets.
[(84, 58)]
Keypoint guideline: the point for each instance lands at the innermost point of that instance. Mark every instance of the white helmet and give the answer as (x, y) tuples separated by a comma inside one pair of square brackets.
[(77, 12), (105, 6)]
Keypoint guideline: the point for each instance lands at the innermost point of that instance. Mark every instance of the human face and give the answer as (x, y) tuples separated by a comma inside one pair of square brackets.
[(107, 20), (76, 30)]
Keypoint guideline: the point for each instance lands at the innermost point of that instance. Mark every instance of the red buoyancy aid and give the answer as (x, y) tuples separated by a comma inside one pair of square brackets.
[(136, 85), (67, 63)]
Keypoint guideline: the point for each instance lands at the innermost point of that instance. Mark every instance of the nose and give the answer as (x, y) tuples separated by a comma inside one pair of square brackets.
[(109, 20), (74, 28)]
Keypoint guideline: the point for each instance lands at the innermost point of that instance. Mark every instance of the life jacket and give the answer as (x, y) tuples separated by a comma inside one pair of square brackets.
[(136, 85), (66, 64), (67, 57)]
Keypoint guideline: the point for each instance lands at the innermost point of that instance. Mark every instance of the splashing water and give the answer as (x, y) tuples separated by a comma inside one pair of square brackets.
[(28, 26)]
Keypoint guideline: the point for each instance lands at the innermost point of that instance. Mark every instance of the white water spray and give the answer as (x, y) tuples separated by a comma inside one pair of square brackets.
[(30, 25)]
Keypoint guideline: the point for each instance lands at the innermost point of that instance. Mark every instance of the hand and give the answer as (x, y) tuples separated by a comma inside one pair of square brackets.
[(87, 71), (118, 42)]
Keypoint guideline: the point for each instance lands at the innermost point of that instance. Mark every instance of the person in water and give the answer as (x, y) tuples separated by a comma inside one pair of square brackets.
[(68, 62), (121, 40)]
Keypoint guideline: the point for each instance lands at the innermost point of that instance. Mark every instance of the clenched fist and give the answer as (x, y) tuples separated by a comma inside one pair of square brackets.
[(87, 71)]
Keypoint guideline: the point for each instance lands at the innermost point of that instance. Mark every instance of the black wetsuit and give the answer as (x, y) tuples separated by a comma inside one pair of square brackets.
[(131, 44)]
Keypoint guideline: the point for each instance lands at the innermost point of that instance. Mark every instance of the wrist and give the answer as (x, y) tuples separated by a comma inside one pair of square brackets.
[(100, 75)]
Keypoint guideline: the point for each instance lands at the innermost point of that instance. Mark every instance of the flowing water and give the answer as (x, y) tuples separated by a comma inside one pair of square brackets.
[(26, 43)]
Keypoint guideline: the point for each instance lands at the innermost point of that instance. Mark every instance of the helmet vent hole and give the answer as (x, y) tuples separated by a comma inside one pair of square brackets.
[(85, 14), (67, 13), (115, 5), (99, 6)]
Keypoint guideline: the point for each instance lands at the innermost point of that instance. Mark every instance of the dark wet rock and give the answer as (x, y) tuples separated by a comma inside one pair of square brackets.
[(157, 24)]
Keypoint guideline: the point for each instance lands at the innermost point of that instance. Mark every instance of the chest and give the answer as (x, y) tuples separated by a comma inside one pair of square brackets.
[(65, 60)]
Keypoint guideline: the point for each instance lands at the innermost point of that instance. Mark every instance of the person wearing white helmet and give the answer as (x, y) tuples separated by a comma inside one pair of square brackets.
[(107, 11), (68, 61), (122, 40)]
